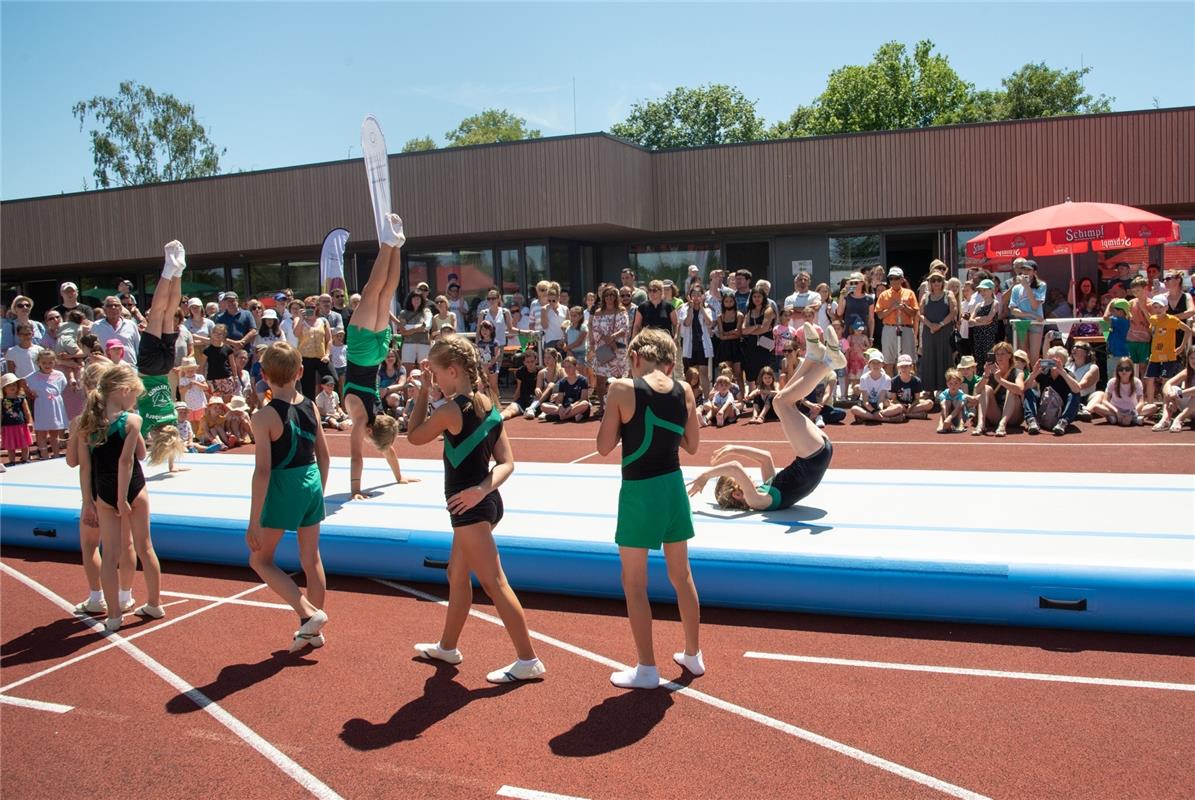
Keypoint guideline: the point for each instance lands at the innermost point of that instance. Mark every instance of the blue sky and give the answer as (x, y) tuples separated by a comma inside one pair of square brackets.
[(280, 84)]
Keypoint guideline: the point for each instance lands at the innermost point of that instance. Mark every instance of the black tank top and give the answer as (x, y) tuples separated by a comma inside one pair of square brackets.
[(656, 316), (727, 327), (650, 440), (467, 454), (105, 465), (296, 446)]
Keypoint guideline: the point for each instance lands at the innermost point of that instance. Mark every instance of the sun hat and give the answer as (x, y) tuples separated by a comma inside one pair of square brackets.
[(1021, 354), (114, 344), (180, 406), (1159, 300), (188, 362), (1122, 305), (216, 400), (986, 283), (904, 360), (896, 272), (8, 380), (966, 361), (875, 355), (269, 313), (936, 263), (237, 403)]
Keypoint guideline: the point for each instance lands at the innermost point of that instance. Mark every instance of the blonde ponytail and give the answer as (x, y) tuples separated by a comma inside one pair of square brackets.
[(455, 350)]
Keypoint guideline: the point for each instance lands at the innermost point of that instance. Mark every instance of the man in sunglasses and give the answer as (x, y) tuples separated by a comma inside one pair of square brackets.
[(115, 325)]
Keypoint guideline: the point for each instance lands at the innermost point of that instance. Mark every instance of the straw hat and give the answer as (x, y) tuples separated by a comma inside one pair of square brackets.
[(8, 380), (237, 403), (188, 362), (966, 361), (216, 400), (1021, 354)]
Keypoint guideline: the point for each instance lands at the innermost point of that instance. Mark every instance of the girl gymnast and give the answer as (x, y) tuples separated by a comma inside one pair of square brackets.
[(114, 486), (368, 345), (473, 435), (653, 415), (289, 477), (735, 488), (155, 361)]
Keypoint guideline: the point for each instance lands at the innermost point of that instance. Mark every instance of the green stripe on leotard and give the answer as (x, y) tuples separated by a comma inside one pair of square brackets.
[(650, 423), (456, 454), (772, 492), (295, 434)]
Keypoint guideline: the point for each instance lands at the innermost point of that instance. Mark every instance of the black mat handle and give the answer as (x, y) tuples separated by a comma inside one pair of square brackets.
[(49, 533), (1062, 605), (432, 563)]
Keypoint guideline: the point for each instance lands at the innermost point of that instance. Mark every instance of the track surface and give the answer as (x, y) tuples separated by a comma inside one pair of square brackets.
[(363, 718)]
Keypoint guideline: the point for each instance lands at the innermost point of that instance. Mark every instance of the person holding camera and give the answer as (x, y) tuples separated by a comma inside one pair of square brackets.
[(899, 310), (1027, 303), (1050, 373)]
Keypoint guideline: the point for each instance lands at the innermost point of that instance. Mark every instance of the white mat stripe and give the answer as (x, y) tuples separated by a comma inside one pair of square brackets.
[(36, 705), (870, 759), (131, 637), (980, 673), (272, 754)]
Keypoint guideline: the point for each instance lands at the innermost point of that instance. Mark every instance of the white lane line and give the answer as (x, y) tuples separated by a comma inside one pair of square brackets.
[(129, 638), (228, 601), (533, 794), (36, 705), (908, 773), (980, 673), (205, 703), (582, 458)]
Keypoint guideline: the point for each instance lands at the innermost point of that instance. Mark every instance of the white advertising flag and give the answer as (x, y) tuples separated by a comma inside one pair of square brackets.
[(331, 260), (377, 169)]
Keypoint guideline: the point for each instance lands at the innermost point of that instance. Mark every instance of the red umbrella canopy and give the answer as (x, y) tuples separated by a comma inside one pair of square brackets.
[(1069, 228)]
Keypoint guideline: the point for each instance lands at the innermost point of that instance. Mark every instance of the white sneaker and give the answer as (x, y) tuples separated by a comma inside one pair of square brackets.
[(88, 607), (819, 422), (150, 612), (392, 231), (176, 259), (309, 632), (517, 671), (434, 651)]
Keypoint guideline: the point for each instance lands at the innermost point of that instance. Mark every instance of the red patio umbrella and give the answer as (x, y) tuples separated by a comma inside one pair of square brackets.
[(1069, 228)]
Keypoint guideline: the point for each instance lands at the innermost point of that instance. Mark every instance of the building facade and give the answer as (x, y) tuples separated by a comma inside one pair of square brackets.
[(578, 209)]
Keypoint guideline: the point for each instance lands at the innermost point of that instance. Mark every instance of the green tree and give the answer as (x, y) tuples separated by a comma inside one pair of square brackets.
[(1035, 90), (491, 125), (706, 115), (894, 91), (142, 136), (419, 145)]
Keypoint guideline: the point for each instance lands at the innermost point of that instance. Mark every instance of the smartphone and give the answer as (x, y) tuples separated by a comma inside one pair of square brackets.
[(990, 358), (1048, 363), (309, 312)]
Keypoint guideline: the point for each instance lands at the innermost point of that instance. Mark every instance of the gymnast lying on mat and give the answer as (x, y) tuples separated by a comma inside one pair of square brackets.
[(810, 445)]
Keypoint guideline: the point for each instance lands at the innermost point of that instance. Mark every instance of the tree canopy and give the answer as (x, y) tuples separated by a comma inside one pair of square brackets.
[(706, 115), (419, 144), (142, 136), (491, 125)]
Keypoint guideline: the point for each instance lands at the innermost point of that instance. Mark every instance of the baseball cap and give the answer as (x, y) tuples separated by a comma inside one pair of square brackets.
[(1159, 300), (1122, 304), (269, 313), (111, 343), (858, 325), (328, 381), (896, 272), (875, 355), (904, 360), (280, 297), (68, 285), (196, 302), (231, 296), (986, 284)]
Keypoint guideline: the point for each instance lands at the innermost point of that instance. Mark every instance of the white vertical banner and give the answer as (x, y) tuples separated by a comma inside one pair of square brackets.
[(331, 260), (377, 170)]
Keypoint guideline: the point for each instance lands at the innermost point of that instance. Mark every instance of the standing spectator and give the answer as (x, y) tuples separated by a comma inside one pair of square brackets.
[(493, 313), (324, 307), (115, 326), (857, 304), (552, 317), (742, 289), (22, 357), (728, 331), (939, 311), (315, 347), (1153, 276), (713, 294), (656, 312), (828, 310), (1139, 334), (693, 276), (1117, 317), (638, 295), (218, 364), (294, 314), (443, 317), (627, 299), (756, 333), (15, 419), (270, 330), (696, 326), (240, 324), (1084, 291), (898, 310), (46, 387), (199, 326), (414, 323), (22, 307), (1027, 304), (608, 326), (69, 292), (984, 321), (1178, 303), (576, 342), (1167, 342), (968, 303), (345, 311), (802, 295), (458, 306)]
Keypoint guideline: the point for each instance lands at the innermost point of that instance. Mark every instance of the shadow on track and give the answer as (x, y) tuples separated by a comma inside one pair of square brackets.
[(442, 697), (236, 677), (616, 722)]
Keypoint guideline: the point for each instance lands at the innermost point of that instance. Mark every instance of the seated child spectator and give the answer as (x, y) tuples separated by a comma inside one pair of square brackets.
[(1178, 398), (966, 370), (545, 381), (817, 407), (213, 422), (874, 387), (186, 433), (236, 424), (1051, 376), (327, 402), (693, 378), (759, 399), (1120, 404), (719, 409), (905, 400), (954, 403), (569, 398), (524, 387)]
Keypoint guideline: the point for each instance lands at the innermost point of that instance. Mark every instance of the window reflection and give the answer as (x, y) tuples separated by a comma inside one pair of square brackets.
[(671, 261)]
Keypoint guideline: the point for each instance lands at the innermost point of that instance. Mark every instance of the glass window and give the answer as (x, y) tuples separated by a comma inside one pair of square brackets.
[(203, 282), (671, 261), (512, 272), (537, 266), (237, 282), (94, 288), (266, 279), (302, 277), (852, 254), (476, 276), (420, 267)]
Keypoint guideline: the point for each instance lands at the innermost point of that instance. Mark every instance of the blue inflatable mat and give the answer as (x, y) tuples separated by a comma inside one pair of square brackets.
[(1092, 552)]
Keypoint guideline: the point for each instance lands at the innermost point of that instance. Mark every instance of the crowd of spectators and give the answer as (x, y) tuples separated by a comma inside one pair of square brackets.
[(980, 353)]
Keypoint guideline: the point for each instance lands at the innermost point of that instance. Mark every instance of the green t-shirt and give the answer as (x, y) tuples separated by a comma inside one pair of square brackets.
[(156, 406)]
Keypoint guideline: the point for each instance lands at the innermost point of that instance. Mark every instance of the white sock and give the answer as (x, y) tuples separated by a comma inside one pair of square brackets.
[(695, 664), (176, 260), (641, 677), (95, 597), (526, 662), (125, 595), (392, 231)]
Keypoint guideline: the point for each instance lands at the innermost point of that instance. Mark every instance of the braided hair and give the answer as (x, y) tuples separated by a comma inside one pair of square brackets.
[(456, 350)]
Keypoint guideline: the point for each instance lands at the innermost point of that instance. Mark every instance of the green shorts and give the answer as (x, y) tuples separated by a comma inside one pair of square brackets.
[(156, 406), (294, 499), (1139, 352), (366, 348), (653, 511)]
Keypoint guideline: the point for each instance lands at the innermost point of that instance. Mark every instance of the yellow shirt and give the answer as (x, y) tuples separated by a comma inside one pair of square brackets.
[(1164, 342), (312, 341)]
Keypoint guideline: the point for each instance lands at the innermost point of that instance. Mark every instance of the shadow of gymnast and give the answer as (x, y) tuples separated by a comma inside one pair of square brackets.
[(332, 501), (617, 722), (236, 677), (442, 697), (58, 639), (798, 518)]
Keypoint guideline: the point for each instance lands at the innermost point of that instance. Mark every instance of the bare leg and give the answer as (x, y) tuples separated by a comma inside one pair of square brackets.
[(262, 561), (634, 587), (112, 542), (374, 308), (89, 544), (481, 555), (460, 598), (145, 549), (803, 436), (676, 554)]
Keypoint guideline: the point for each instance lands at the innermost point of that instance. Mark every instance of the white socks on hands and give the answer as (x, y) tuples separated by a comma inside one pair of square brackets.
[(392, 231), (176, 260)]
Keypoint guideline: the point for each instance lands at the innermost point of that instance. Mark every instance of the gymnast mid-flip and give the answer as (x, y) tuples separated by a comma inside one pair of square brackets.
[(812, 448), (368, 342)]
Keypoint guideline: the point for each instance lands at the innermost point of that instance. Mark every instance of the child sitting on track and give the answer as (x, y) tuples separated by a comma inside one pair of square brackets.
[(473, 434), (289, 477), (954, 404), (331, 414), (112, 472), (368, 345), (654, 415), (811, 447)]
